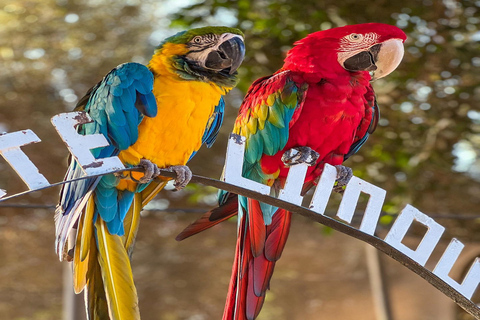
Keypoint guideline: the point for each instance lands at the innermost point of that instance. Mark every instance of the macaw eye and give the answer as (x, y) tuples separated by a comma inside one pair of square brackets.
[(197, 39), (355, 37)]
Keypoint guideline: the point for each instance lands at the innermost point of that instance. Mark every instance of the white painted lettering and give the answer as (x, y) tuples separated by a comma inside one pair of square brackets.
[(234, 165), (374, 205), (448, 259), (291, 192), (80, 145), (401, 226), (10, 144), (323, 189)]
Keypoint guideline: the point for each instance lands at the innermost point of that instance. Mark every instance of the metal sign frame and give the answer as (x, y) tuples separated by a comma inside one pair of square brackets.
[(289, 199)]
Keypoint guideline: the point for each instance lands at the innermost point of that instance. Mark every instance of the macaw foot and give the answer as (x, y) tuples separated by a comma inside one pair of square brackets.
[(344, 174), (300, 155), (184, 174), (151, 171)]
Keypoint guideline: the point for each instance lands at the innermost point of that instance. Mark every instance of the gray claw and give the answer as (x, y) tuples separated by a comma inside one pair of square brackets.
[(300, 155), (184, 174), (344, 174), (151, 171)]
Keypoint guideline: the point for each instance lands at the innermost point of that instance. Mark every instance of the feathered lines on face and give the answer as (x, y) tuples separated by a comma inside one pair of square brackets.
[(205, 50), (354, 43)]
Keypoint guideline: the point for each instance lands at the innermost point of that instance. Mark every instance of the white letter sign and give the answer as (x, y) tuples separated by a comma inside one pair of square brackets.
[(10, 144), (79, 145), (374, 205), (324, 189), (293, 186), (234, 165), (448, 259), (401, 226)]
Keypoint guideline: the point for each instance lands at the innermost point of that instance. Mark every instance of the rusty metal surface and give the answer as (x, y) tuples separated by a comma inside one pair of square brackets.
[(376, 242), (290, 199), (80, 145)]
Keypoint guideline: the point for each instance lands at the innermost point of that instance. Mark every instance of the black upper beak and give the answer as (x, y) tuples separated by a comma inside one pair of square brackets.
[(363, 61), (229, 55)]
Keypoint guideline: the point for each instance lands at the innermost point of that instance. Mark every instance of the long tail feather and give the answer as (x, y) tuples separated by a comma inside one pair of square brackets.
[(254, 262), (211, 218), (131, 222), (95, 298), (101, 262), (152, 190), (64, 223), (87, 229), (116, 274), (80, 267)]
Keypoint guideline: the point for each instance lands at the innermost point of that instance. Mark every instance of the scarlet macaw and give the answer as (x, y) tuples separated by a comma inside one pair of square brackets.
[(318, 108), (155, 116)]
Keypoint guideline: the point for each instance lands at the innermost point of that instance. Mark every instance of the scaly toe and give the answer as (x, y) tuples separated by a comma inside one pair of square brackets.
[(300, 155), (312, 157), (151, 171), (184, 175), (344, 174)]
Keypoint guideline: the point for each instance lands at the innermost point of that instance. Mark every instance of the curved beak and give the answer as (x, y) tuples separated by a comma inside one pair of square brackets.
[(381, 58), (228, 56), (388, 58)]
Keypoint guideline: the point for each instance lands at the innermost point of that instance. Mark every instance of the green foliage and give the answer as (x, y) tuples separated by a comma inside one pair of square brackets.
[(428, 105)]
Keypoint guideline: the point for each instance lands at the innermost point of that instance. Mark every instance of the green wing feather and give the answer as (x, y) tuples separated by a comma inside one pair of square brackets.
[(268, 111)]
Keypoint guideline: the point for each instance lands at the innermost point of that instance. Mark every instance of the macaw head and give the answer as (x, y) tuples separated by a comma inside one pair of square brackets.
[(372, 47), (211, 54)]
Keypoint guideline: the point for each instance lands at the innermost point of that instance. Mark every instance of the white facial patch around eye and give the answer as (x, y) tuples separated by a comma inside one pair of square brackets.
[(210, 43), (349, 44), (349, 48)]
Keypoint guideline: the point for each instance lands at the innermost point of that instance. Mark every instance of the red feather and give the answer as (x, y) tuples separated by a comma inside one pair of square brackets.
[(256, 225), (254, 302), (262, 272), (333, 109), (251, 274), (278, 232), (211, 218)]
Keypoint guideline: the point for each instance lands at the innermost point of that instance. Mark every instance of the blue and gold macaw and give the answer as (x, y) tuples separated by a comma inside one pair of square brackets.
[(155, 116)]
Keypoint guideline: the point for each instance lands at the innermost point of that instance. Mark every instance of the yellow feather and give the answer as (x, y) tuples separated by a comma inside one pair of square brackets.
[(95, 300), (87, 229), (262, 116), (252, 125), (130, 223), (80, 267), (271, 99), (117, 275), (261, 124), (263, 112), (160, 139), (152, 190)]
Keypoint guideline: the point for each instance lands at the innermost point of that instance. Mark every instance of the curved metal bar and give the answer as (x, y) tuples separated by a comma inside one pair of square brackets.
[(374, 241), (73, 180)]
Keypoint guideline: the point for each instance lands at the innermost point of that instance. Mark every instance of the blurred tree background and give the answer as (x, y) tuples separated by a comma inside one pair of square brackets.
[(424, 151)]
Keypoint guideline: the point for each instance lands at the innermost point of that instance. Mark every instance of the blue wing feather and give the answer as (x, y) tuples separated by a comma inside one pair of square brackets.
[(212, 129), (213, 126), (116, 105)]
